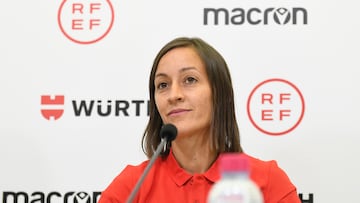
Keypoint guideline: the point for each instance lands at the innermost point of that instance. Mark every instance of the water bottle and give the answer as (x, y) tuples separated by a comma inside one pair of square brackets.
[(235, 185)]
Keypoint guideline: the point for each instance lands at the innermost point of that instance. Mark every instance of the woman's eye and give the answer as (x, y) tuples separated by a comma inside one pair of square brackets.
[(190, 80), (162, 85)]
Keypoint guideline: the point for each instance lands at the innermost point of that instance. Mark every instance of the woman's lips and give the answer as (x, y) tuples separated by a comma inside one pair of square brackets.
[(177, 111)]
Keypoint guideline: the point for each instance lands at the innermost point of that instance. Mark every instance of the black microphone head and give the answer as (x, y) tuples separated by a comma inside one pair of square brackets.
[(168, 131)]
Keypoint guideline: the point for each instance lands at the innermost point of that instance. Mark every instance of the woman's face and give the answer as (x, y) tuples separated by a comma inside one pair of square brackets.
[(183, 92)]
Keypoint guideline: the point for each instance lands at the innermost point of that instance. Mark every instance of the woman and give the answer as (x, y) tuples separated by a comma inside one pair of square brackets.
[(190, 87)]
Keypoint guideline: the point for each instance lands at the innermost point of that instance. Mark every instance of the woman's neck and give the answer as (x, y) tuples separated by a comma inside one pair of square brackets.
[(194, 154)]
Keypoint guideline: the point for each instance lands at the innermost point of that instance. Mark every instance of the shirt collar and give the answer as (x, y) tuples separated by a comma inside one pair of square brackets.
[(180, 176)]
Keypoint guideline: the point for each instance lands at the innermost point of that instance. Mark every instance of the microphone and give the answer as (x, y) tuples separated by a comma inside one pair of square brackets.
[(168, 133)]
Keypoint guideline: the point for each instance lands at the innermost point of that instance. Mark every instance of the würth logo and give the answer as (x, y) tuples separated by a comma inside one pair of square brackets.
[(52, 107), (85, 21)]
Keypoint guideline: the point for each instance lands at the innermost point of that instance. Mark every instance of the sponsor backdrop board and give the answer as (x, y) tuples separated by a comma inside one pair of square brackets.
[(74, 97)]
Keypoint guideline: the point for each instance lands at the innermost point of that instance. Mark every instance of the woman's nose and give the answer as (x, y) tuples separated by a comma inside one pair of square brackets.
[(176, 93)]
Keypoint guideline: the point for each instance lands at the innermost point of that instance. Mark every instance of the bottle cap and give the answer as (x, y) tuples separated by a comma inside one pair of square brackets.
[(234, 162)]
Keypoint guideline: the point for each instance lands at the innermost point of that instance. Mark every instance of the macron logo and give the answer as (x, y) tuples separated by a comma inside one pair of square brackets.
[(52, 107)]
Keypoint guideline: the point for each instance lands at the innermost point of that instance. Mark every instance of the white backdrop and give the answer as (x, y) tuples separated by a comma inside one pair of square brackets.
[(47, 48)]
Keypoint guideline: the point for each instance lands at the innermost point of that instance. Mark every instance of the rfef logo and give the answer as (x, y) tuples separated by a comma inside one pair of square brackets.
[(52, 107), (275, 106), (85, 21)]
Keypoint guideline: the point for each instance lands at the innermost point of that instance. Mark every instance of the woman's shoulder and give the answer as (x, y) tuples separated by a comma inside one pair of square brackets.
[(265, 169), (121, 186), (259, 165), (272, 180), (135, 168), (131, 172)]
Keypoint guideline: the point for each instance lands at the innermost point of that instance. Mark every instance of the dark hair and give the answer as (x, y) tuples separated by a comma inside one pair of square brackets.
[(225, 136)]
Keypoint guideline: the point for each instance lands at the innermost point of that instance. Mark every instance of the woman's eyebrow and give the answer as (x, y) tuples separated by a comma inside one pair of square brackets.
[(181, 70)]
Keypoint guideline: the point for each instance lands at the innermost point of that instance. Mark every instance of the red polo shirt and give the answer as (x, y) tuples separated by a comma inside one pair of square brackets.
[(168, 182)]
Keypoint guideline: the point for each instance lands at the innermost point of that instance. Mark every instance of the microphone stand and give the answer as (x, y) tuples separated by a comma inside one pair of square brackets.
[(147, 169)]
